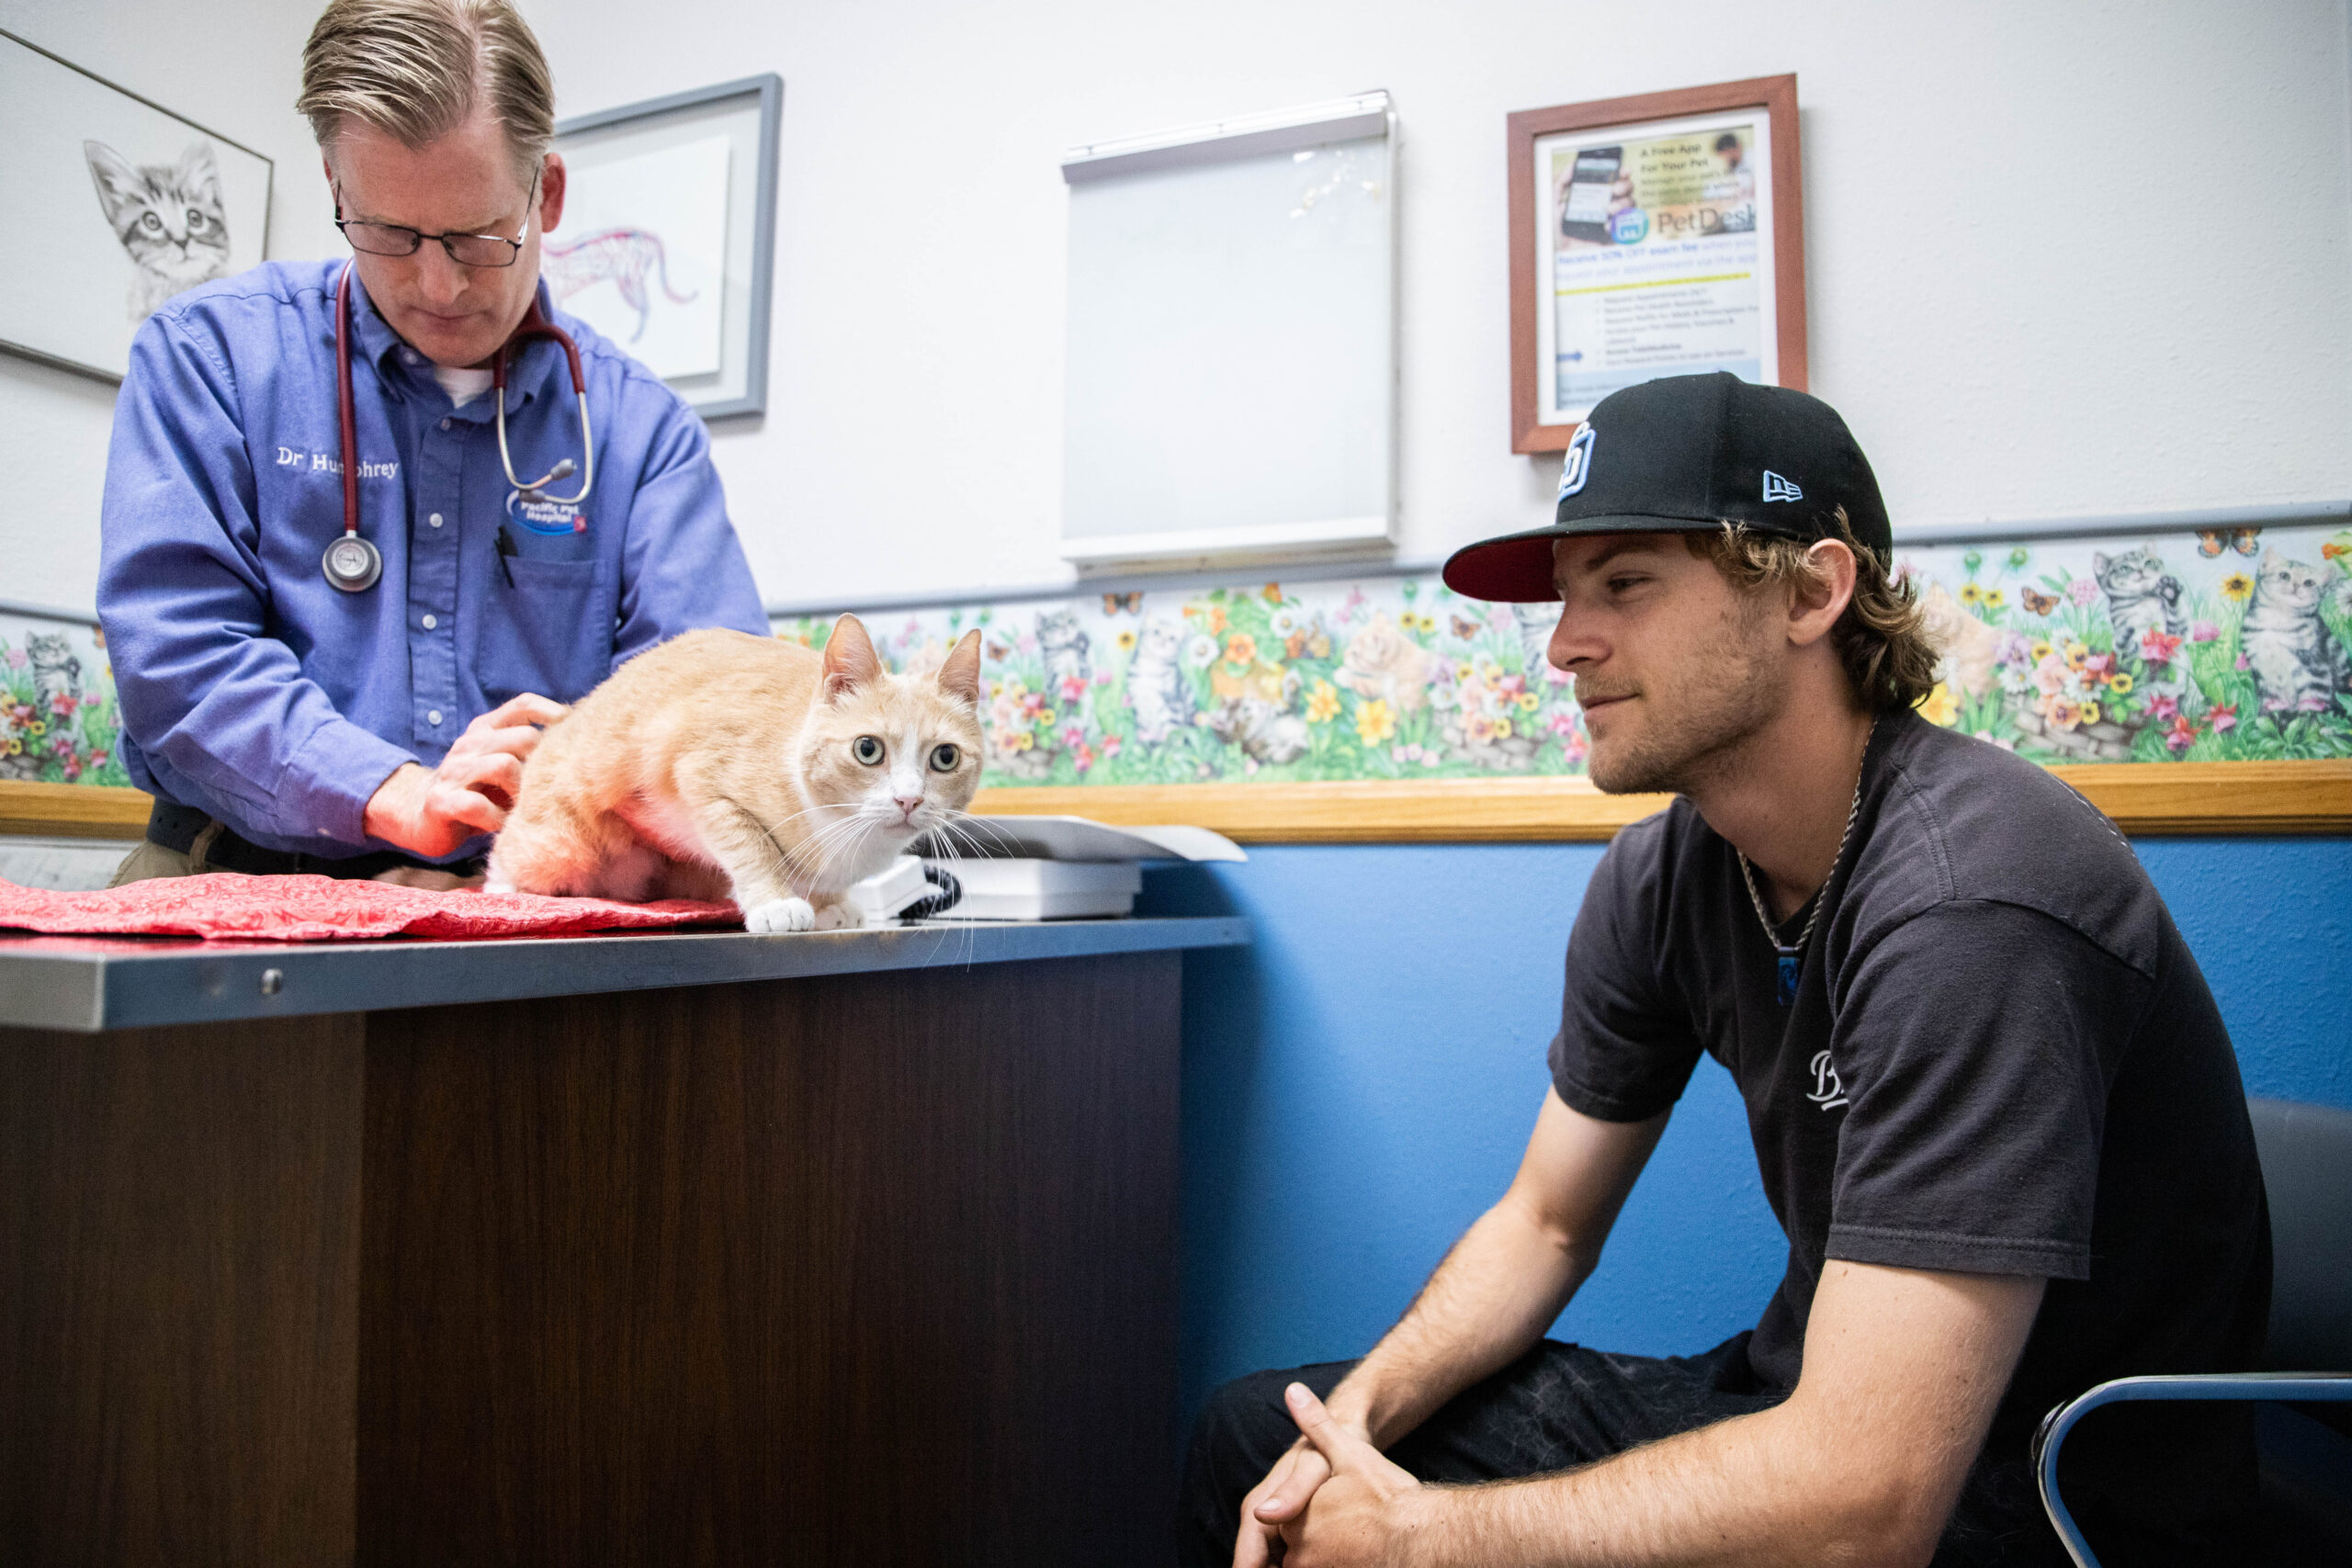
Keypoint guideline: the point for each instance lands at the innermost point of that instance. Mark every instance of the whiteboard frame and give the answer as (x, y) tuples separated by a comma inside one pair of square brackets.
[(1355, 118)]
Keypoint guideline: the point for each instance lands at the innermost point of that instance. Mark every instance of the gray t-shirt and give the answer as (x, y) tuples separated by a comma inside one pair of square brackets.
[(2001, 1058)]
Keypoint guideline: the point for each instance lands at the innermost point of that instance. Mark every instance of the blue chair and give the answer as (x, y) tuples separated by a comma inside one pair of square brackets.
[(2306, 1152)]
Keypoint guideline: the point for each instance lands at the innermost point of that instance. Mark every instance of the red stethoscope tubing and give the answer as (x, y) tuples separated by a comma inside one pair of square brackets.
[(535, 324)]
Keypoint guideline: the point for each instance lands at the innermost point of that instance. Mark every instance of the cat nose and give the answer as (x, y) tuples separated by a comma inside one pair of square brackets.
[(906, 803)]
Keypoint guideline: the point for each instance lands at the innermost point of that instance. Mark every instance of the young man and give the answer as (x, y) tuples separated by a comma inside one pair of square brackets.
[(287, 720), (1995, 1107)]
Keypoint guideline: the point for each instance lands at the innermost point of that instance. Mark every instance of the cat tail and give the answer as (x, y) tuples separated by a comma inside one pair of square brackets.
[(661, 268)]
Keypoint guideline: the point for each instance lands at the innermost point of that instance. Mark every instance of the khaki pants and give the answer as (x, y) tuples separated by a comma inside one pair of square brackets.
[(150, 860)]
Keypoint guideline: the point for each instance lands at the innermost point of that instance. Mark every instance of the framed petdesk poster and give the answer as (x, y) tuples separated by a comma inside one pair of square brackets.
[(1657, 235), (117, 204)]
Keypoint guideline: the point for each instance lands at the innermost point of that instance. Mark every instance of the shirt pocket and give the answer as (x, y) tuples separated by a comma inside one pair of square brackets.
[(550, 633)]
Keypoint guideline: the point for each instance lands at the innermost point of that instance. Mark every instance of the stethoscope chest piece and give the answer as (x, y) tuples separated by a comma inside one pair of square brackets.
[(352, 564)]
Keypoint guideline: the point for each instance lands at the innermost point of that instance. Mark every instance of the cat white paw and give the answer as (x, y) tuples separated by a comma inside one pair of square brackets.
[(840, 917), (780, 914)]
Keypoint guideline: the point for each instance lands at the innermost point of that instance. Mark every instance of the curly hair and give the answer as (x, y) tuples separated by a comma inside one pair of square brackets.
[(1881, 639)]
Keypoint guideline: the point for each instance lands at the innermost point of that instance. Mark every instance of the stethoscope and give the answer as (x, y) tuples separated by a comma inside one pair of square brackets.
[(352, 563)]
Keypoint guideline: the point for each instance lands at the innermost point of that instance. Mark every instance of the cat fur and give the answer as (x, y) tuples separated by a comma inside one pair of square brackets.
[(56, 672), (1536, 624), (2141, 596), (1259, 730), (1156, 682), (721, 766), (169, 218), (1967, 644), (1064, 646), (2299, 666)]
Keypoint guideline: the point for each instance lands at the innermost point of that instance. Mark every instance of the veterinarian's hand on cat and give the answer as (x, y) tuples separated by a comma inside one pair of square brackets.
[(431, 812)]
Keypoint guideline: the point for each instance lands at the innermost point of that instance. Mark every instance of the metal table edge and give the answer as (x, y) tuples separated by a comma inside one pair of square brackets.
[(203, 983)]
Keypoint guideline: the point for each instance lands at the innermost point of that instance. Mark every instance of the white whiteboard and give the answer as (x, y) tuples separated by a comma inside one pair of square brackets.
[(1231, 360)]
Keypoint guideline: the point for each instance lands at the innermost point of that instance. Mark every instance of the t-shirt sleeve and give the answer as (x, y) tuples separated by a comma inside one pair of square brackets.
[(1623, 1054), (1975, 1045)]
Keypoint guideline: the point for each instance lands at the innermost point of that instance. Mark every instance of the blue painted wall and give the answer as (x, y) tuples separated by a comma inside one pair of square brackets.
[(1359, 1084)]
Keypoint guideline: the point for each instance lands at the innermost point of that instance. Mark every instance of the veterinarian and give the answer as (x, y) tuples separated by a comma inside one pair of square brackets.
[(1993, 1104), (364, 710)]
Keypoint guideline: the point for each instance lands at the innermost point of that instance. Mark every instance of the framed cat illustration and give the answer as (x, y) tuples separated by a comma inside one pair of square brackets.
[(118, 204), (667, 242)]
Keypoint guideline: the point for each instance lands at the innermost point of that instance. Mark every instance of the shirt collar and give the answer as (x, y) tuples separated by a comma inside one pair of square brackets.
[(399, 367)]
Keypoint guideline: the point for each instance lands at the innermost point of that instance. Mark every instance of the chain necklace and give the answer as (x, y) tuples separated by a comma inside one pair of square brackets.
[(1790, 958)]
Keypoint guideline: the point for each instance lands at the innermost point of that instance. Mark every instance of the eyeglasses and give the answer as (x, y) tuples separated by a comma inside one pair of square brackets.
[(466, 250)]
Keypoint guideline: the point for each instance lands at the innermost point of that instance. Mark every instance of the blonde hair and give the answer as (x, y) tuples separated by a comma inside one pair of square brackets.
[(418, 69), (1881, 639)]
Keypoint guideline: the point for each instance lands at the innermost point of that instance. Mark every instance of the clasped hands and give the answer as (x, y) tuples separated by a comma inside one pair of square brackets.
[(1364, 1508), (431, 811)]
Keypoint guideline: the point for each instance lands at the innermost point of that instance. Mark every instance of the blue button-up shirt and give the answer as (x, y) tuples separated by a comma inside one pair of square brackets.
[(254, 689)]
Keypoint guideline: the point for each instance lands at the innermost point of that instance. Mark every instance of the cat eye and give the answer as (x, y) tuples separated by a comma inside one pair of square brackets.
[(866, 749), (150, 222), (942, 759), (195, 221)]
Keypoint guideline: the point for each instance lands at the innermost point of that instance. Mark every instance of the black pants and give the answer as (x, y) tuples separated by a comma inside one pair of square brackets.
[(1556, 1407)]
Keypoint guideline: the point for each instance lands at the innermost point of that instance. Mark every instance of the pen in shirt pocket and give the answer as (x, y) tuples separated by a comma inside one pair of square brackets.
[(506, 552)]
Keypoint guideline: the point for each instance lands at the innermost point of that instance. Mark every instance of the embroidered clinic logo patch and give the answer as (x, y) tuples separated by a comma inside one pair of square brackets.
[(1778, 488), (1576, 466), (546, 517)]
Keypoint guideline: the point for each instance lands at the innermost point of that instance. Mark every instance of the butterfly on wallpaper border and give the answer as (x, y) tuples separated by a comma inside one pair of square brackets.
[(1466, 628), (2038, 601), (2213, 541), (1131, 602)]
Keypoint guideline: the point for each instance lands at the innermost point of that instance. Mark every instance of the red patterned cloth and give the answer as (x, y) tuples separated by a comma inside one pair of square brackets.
[(323, 909)]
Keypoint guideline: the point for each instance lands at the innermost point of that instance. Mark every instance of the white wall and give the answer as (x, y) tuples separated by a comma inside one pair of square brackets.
[(233, 66), (2062, 259)]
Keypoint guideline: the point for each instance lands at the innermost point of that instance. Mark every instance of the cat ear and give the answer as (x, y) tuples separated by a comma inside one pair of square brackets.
[(960, 676), (200, 175), (849, 658), (2098, 563), (117, 182)]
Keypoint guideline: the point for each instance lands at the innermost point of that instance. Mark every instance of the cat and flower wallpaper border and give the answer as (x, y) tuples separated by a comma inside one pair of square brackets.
[(2183, 683)]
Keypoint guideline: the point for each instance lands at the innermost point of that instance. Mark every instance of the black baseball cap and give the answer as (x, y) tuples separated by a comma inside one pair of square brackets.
[(1685, 453)]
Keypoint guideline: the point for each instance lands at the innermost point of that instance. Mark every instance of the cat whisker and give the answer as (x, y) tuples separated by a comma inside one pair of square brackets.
[(965, 826)]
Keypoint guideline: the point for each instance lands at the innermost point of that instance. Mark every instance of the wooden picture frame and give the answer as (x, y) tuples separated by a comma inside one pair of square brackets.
[(1651, 119)]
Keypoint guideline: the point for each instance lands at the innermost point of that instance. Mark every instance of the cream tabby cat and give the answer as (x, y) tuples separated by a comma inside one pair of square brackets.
[(723, 765)]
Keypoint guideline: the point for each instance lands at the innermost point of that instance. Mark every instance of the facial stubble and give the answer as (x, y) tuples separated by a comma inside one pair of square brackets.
[(1700, 713)]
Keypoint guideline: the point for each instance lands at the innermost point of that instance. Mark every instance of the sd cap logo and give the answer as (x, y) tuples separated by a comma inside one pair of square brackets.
[(1577, 465), (1778, 488)]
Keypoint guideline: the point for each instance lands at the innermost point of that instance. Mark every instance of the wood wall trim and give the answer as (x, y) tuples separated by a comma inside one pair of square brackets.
[(72, 811), (2141, 797)]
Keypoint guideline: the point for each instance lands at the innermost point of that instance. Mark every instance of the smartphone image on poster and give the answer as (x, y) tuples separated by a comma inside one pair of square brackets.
[(1584, 209)]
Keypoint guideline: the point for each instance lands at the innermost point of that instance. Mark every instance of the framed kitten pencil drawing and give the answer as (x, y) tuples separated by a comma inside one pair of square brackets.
[(117, 204)]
